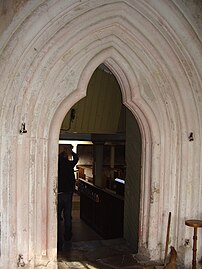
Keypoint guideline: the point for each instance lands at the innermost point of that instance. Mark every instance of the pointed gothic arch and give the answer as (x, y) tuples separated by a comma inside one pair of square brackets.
[(142, 123)]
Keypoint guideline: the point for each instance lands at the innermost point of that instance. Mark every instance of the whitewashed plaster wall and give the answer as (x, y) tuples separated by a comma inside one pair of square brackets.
[(47, 56)]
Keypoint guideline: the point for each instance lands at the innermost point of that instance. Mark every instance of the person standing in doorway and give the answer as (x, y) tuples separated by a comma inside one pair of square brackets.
[(66, 185)]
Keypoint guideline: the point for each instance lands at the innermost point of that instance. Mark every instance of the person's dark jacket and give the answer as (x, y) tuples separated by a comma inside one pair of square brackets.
[(66, 178)]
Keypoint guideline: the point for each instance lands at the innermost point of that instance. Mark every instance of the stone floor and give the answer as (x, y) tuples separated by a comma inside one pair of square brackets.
[(88, 250), (100, 254)]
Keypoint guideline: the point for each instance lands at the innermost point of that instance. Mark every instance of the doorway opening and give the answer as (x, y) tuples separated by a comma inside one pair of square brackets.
[(107, 139)]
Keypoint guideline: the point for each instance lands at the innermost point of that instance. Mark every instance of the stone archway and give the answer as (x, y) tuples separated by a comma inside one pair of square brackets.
[(123, 81), (48, 55)]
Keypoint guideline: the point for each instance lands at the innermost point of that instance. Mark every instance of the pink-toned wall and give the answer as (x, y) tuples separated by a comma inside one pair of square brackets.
[(48, 53)]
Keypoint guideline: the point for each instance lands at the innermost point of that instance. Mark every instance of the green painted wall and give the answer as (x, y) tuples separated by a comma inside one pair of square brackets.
[(100, 110), (133, 177)]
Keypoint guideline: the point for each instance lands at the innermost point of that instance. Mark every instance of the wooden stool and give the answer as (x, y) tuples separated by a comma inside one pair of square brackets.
[(196, 224)]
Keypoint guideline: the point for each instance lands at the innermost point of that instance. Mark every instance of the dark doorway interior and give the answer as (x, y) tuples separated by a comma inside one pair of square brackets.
[(102, 119)]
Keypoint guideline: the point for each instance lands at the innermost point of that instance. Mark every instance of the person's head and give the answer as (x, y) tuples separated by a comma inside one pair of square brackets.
[(68, 151)]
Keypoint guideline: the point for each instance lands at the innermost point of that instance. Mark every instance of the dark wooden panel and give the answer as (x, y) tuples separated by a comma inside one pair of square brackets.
[(101, 210)]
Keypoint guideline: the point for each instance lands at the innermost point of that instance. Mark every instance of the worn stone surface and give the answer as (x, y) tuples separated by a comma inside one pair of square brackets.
[(100, 254)]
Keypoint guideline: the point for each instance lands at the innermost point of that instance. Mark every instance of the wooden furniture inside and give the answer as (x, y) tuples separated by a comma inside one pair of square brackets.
[(85, 172), (195, 224), (101, 210)]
